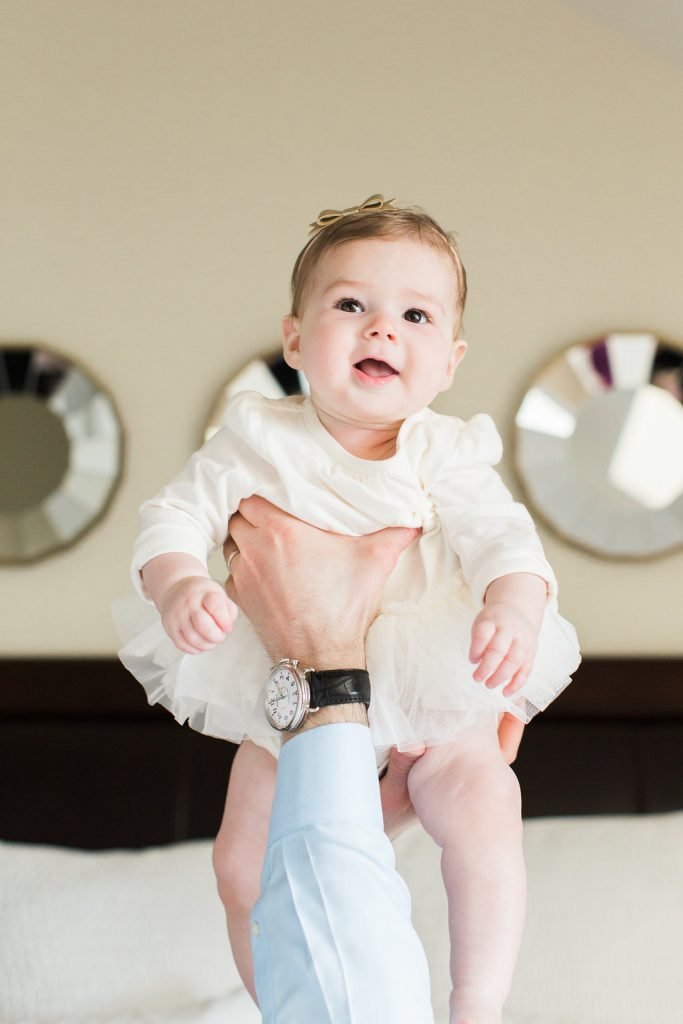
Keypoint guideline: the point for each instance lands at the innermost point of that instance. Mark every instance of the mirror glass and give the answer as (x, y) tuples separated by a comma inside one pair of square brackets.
[(61, 448), (599, 445)]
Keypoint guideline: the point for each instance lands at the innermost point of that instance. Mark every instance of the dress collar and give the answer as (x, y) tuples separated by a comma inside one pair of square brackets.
[(340, 454)]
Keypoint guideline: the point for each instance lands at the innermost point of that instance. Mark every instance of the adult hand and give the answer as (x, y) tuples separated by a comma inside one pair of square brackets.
[(313, 595), (397, 807), (510, 731), (310, 594)]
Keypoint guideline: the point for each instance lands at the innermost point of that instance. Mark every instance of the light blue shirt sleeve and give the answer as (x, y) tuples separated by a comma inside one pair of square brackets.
[(331, 933)]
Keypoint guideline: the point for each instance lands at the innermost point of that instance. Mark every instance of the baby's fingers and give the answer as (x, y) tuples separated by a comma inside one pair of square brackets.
[(205, 629), (494, 656), (514, 660), (188, 640), (222, 610), (180, 630), (517, 681), (482, 635)]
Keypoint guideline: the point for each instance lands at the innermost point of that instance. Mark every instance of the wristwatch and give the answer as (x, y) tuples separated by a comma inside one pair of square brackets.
[(292, 692)]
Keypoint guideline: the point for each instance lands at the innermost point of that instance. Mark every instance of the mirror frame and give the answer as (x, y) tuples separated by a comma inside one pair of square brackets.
[(542, 515), (103, 507)]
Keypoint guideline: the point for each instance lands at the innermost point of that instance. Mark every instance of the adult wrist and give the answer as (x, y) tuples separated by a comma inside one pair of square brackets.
[(297, 696), (356, 714), (323, 657)]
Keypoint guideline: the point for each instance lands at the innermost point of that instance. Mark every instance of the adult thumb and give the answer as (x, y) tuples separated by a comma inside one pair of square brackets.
[(393, 540), (401, 761)]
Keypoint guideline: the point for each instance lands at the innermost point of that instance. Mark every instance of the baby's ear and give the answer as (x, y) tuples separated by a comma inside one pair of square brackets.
[(457, 355), (291, 347)]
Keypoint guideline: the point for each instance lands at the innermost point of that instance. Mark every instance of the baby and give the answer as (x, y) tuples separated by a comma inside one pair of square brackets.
[(468, 626)]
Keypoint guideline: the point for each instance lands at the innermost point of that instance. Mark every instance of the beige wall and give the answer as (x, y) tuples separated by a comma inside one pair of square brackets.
[(162, 158)]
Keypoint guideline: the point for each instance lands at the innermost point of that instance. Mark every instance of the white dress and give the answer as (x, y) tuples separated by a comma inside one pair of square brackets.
[(440, 479)]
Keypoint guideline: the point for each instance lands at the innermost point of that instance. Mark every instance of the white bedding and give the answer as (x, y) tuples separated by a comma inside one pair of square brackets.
[(115, 936), (139, 937), (604, 932)]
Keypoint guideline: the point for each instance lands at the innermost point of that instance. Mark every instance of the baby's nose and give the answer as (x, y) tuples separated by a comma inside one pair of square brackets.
[(381, 326)]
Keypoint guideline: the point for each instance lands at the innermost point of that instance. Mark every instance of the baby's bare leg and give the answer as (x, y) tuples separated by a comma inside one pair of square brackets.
[(240, 847), (468, 799)]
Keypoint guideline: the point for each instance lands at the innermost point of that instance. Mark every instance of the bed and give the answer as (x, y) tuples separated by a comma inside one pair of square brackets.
[(107, 899)]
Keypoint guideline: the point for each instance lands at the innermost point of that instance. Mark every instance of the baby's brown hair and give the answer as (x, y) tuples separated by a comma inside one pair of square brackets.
[(387, 222)]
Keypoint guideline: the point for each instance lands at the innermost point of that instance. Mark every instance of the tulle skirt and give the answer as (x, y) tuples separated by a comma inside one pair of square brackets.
[(423, 690)]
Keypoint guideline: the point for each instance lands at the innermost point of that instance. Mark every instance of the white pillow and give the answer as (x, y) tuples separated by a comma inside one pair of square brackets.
[(87, 936), (604, 929)]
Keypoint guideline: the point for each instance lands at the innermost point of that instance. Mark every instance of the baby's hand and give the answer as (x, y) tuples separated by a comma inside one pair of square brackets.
[(197, 613), (503, 646)]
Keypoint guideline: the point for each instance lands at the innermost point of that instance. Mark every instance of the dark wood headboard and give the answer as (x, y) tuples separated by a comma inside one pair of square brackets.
[(85, 762)]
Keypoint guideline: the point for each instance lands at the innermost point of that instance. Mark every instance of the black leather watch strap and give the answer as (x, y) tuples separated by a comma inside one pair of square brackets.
[(339, 686)]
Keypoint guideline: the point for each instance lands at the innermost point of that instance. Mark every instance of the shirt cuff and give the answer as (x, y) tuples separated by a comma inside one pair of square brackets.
[(326, 774)]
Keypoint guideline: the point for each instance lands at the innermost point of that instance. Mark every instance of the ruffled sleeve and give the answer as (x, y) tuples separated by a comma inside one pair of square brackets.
[(492, 534)]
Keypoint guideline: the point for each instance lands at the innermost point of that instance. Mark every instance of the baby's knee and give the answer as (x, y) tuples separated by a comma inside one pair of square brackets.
[(240, 845), (456, 763), (237, 866), (491, 784), (499, 786), (468, 774), (490, 805), (461, 788)]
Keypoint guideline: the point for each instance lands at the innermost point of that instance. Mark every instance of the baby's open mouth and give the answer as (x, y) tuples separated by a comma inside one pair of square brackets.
[(375, 368)]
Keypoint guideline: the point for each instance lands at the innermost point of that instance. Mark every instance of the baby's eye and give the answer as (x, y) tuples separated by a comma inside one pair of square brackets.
[(416, 316), (349, 306)]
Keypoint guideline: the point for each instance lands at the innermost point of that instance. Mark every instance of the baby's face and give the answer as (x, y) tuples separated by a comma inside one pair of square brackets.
[(376, 336)]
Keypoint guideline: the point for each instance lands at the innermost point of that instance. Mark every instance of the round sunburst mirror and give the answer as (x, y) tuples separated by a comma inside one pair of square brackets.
[(61, 452), (599, 445)]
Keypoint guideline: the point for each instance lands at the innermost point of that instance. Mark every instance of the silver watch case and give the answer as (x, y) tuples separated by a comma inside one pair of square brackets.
[(302, 699)]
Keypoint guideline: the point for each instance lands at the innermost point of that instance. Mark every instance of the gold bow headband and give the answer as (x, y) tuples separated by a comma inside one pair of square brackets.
[(371, 205)]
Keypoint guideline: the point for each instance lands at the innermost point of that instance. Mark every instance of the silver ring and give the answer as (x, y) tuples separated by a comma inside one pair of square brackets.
[(233, 554)]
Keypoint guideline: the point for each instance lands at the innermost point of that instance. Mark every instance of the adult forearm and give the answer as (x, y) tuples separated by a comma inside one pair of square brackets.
[(331, 933)]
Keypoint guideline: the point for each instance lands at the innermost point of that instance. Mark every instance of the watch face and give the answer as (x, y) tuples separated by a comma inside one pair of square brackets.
[(283, 700)]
